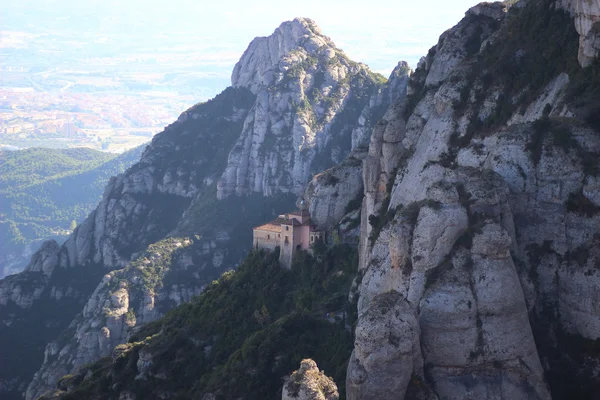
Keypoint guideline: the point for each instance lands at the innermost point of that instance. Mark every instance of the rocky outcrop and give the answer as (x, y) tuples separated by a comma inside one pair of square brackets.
[(586, 14), (308, 383), (313, 106), (332, 193), (480, 227), (256, 68)]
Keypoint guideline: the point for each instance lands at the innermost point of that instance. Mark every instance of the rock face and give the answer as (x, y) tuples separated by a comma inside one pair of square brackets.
[(313, 106), (479, 224), (587, 22), (386, 351), (331, 194), (308, 383)]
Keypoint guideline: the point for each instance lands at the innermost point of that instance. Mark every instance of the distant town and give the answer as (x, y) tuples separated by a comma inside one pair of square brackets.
[(65, 86), (103, 121)]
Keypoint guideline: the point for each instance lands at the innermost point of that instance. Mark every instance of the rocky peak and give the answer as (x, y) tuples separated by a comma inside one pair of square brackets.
[(255, 69), (314, 105), (398, 81)]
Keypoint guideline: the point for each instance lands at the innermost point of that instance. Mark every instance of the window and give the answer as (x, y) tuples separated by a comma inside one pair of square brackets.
[(268, 237), (312, 238), (287, 228), (287, 240)]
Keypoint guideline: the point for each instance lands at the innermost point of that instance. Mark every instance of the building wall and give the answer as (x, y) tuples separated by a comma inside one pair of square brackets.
[(286, 252), (298, 238), (265, 240), (302, 237)]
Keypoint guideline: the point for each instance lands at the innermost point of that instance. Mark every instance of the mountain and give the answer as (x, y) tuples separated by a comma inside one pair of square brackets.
[(42, 191), (183, 215), (479, 238)]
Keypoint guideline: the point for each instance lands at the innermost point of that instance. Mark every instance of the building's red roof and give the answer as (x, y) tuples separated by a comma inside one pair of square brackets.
[(269, 227), (275, 225)]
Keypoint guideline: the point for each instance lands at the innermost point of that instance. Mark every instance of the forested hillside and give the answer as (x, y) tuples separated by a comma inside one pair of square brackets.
[(44, 193), (246, 331)]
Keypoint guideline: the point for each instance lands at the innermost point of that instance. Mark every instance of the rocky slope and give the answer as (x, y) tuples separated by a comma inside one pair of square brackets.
[(480, 222), (123, 267)]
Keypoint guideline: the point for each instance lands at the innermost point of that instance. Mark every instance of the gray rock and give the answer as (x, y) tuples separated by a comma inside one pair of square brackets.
[(386, 350), (586, 14), (330, 193), (297, 128), (308, 383)]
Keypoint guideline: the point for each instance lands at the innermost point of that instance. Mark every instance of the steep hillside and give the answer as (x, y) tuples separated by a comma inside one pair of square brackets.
[(238, 339), (168, 226), (42, 191)]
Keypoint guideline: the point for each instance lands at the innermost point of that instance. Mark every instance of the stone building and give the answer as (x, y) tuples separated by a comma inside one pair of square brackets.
[(291, 232)]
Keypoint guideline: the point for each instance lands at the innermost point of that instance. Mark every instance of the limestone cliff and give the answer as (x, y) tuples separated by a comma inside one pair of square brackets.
[(480, 219)]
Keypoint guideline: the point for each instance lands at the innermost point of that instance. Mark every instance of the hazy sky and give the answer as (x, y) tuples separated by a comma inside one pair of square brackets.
[(377, 32)]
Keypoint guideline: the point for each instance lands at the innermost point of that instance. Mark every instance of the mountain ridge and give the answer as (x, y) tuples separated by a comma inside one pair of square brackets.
[(478, 228), (102, 281)]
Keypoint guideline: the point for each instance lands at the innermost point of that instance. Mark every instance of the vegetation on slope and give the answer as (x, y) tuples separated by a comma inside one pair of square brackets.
[(45, 192), (51, 187), (245, 333)]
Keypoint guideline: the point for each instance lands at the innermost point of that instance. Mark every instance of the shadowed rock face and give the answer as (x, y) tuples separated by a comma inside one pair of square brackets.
[(308, 383)]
